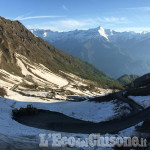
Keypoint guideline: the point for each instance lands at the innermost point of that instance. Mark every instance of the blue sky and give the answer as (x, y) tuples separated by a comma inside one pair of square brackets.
[(65, 15)]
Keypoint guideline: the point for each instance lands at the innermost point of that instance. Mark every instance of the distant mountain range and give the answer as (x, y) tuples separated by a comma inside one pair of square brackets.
[(22, 54), (115, 53)]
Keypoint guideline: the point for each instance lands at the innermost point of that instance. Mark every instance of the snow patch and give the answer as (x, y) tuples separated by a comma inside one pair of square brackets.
[(102, 33), (142, 100), (45, 34)]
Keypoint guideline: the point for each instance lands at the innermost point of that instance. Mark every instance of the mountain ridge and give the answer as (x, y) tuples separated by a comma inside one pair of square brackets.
[(115, 53), (109, 32)]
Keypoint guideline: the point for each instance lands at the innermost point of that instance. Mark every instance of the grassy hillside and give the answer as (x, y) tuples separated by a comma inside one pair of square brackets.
[(140, 86), (15, 38), (127, 79)]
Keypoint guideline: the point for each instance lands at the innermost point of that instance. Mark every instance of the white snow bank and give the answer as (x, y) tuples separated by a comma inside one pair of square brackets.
[(90, 111), (142, 100), (85, 110)]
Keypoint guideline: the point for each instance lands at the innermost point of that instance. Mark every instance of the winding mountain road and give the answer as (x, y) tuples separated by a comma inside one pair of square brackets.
[(59, 122)]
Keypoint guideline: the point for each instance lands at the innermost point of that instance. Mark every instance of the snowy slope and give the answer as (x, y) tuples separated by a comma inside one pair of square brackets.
[(142, 100), (102, 33), (45, 79), (40, 70), (16, 134), (89, 111)]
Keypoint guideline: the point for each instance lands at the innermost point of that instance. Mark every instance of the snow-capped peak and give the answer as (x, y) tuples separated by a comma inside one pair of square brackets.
[(102, 32)]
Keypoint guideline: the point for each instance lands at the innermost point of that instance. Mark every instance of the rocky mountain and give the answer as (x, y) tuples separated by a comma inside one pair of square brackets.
[(127, 79), (115, 53), (142, 81), (27, 59)]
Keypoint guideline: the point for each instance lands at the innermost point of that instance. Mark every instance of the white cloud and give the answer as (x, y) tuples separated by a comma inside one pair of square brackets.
[(139, 8), (114, 19), (36, 17), (37, 26), (64, 7), (60, 25), (66, 25), (135, 29), (72, 24)]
